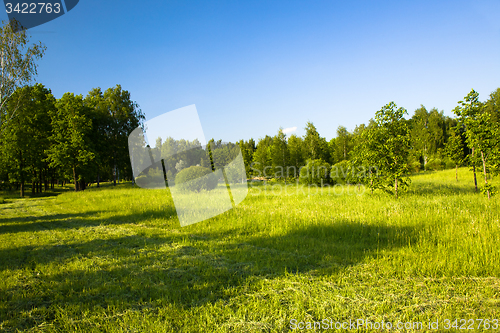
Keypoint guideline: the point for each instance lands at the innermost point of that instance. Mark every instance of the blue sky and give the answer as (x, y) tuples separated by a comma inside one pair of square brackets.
[(253, 66)]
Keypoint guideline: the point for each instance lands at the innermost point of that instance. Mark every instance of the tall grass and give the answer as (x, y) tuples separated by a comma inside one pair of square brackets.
[(116, 259)]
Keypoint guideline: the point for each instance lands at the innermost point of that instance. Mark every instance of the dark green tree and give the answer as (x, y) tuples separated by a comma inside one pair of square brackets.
[(279, 154), (71, 147)]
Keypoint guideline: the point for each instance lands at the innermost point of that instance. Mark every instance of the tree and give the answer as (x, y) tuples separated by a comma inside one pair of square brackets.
[(492, 106), (247, 149), (314, 147), (262, 162), (342, 145), (26, 140), (18, 67), (99, 115), (391, 144), (365, 156), (279, 154), (71, 127), (315, 172), (420, 134), (295, 154), (482, 133), (124, 116), (455, 147)]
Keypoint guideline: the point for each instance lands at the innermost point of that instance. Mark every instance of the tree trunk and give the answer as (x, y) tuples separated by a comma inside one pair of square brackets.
[(98, 178), (396, 186), (22, 176), (484, 171), (371, 181), (456, 172), (114, 175), (33, 183), (474, 170), (40, 178), (74, 179)]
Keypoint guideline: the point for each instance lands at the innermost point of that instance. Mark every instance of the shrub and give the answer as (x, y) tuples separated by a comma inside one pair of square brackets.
[(153, 178), (342, 173), (142, 180), (195, 179), (434, 164), (315, 172)]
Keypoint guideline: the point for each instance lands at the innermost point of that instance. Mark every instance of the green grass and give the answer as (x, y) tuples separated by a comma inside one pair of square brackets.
[(116, 259)]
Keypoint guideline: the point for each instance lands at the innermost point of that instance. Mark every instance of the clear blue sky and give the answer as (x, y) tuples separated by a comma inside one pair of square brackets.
[(253, 66)]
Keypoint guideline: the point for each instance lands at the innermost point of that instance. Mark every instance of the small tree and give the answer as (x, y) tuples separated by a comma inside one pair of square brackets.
[(390, 145), (481, 132)]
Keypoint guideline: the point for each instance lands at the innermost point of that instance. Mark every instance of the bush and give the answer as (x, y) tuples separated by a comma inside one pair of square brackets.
[(195, 179), (434, 164), (142, 180), (2, 200), (343, 173), (153, 178), (315, 172)]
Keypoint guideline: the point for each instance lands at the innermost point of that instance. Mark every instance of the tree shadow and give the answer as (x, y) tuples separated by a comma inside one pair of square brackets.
[(131, 271), (80, 220)]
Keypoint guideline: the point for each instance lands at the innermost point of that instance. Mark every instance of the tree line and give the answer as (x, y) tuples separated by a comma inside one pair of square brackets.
[(384, 152), (73, 138)]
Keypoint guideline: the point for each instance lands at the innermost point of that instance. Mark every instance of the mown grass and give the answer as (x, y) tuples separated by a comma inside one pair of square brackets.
[(116, 259)]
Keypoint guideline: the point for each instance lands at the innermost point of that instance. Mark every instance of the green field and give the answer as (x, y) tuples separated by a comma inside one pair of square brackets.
[(115, 259)]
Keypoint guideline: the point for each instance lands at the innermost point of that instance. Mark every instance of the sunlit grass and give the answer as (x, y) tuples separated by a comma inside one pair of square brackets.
[(116, 259)]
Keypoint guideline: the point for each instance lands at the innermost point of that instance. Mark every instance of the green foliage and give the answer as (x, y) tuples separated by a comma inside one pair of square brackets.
[(196, 179), (315, 172), (342, 145), (315, 147), (154, 177), (247, 150), (280, 154), (456, 146), (489, 190), (71, 145), (391, 144), (262, 159), (341, 173), (18, 67), (26, 139), (295, 154), (481, 130)]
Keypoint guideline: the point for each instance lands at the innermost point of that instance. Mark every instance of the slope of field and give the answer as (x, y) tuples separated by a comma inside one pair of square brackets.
[(116, 260)]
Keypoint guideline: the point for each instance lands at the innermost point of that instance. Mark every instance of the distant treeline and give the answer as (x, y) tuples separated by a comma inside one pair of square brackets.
[(45, 140), (394, 145)]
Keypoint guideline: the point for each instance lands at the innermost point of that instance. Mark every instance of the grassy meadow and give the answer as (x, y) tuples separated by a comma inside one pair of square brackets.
[(115, 259)]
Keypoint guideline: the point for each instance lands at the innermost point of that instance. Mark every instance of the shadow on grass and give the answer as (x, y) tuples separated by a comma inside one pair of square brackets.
[(147, 268), (75, 221)]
